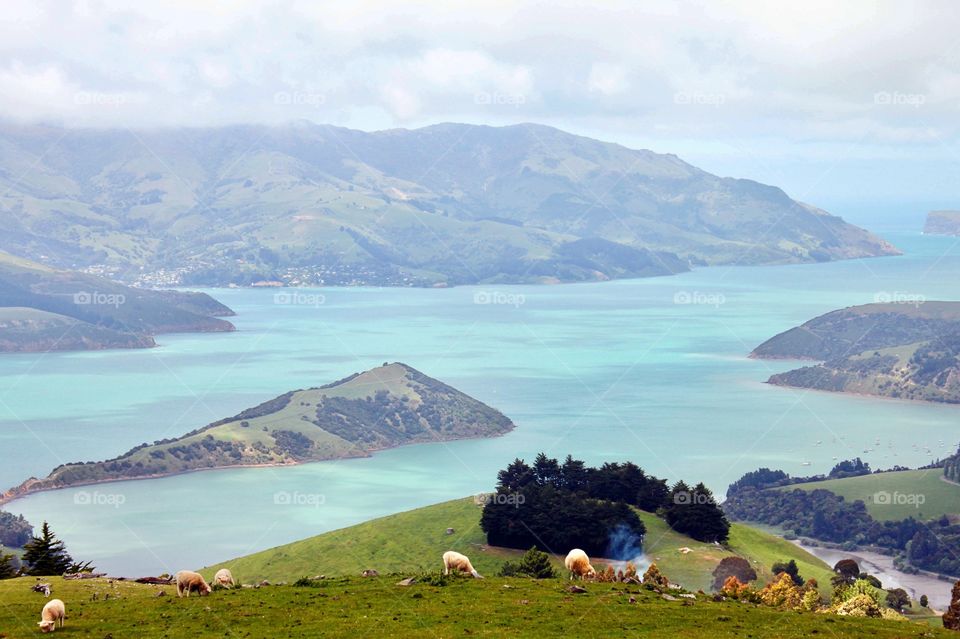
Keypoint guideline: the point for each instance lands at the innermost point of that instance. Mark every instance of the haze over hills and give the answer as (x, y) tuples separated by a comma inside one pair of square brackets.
[(45, 309), (384, 407), (445, 204), (942, 223), (897, 349)]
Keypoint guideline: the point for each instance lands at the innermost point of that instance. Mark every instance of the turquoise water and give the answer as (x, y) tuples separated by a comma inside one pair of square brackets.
[(606, 371)]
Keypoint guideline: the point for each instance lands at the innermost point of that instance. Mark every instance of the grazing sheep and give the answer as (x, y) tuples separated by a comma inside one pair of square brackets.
[(578, 563), (224, 578), (458, 563), (53, 612), (187, 581)]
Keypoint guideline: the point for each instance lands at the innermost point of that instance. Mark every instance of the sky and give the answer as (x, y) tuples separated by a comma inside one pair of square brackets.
[(850, 105)]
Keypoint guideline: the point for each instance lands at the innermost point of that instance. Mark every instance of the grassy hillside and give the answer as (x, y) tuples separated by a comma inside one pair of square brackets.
[(897, 495), (376, 607), (899, 349), (414, 541), (42, 309), (506, 204), (388, 406)]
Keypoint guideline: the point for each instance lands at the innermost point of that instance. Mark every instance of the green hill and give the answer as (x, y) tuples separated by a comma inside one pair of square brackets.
[(313, 204), (42, 309), (414, 541), (376, 607), (388, 406), (897, 349), (921, 494)]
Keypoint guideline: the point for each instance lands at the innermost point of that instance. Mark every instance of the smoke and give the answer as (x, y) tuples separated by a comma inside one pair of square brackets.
[(624, 545)]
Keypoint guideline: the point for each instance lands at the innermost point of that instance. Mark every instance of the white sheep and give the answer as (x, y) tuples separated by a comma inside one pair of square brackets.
[(578, 563), (459, 563), (53, 612), (224, 578), (187, 581)]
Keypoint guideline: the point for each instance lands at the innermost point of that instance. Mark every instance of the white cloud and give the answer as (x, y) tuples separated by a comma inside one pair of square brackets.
[(652, 72)]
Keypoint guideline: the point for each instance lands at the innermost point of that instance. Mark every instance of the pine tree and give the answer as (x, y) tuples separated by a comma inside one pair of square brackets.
[(7, 567), (45, 554)]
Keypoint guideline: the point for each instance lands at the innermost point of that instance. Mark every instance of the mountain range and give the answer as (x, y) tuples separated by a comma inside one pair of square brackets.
[(447, 204)]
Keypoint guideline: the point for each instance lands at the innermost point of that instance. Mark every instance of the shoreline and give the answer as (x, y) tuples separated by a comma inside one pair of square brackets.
[(8, 498), (863, 395), (881, 567)]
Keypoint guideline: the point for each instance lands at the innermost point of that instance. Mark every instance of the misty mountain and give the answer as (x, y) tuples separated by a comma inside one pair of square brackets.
[(445, 204)]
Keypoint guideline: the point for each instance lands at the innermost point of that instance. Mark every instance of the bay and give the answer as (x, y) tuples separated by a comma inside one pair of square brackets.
[(651, 370)]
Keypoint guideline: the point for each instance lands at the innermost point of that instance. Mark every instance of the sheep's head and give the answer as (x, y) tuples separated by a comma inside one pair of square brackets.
[(591, 573), (205, 589), (47, 626)]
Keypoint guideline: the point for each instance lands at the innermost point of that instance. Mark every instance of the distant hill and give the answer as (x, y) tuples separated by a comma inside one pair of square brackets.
[(892, 496), (908, 351), (414, 541), (44, 309), (942, 223), (385, 407), (445, 204)]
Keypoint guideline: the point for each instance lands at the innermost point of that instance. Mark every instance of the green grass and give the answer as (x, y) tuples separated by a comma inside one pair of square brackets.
[(376, 607), (414, 541), (694, 569), (903, 490)]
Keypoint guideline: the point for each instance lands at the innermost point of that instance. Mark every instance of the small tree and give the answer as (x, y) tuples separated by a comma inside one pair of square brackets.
[(46, 555), (655, 579), (8, 568), (898, 599), (789, 568), (847, 571), (534, 563), (733, 567)]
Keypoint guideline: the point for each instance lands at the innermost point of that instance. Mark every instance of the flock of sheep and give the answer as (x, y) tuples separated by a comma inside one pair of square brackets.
[(187, 581)]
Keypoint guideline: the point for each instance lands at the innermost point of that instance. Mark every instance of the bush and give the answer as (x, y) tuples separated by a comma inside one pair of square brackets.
[(736, 567), (534, 563)]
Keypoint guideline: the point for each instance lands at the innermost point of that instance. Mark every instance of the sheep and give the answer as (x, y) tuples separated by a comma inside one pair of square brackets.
[(187, 581), (52, 612), (459, 563), (578, 563), (224, 578)]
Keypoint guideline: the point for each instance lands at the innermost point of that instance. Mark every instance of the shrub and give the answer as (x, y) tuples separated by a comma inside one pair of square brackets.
[(737, 567), (534, 563), (655, 579)]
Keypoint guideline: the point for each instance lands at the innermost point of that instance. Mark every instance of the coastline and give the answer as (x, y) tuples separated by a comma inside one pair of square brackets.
[(881, 566), (9, 496)]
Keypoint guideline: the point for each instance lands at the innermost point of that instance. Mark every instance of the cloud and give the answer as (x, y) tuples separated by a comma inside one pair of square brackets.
[(633, 71)]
